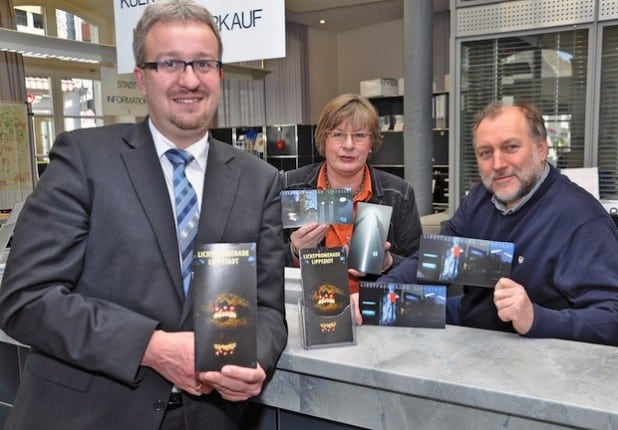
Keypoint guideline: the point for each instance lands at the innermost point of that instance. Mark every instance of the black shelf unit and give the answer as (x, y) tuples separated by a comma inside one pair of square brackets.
[(287, 146), (390, 156), (245, 138)]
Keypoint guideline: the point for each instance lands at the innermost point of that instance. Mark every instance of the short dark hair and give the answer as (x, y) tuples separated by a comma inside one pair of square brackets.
[(536, 123)]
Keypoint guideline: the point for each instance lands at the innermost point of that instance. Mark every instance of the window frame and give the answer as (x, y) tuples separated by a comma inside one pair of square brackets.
[(459, 170)]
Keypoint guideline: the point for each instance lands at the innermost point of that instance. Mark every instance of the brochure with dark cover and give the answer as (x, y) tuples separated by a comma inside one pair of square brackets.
[(465, 261), (332, 206), (224, 288), (325, 312), (369, 236), (403, 305)]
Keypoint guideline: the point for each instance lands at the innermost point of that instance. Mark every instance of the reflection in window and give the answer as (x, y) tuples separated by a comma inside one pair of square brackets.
[(21, 17), (74, 28), (81, 103), (558, 137), (39, 94), (30, 19), (554, 64), (38, 21), (38, 90)]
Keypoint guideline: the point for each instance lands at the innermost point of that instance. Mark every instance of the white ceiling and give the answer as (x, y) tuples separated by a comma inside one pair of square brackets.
[(340, 15)]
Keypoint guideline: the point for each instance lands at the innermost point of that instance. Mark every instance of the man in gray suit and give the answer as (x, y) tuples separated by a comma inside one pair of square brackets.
[(94, 283)]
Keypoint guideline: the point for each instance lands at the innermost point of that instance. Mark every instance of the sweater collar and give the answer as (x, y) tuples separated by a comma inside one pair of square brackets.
[(506, 211)]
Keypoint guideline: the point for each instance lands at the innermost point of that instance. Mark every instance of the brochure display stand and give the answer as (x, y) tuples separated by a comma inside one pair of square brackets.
[(324, 309)]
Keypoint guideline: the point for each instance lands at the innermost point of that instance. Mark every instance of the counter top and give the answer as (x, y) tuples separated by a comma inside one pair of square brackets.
[(457, 377)]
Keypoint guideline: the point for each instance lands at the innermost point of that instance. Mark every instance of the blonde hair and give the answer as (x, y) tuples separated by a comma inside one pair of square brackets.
[(348, 107), (171, 11)]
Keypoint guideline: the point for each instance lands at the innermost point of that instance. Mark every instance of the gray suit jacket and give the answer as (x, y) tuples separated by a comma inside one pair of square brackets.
[(94, 269)]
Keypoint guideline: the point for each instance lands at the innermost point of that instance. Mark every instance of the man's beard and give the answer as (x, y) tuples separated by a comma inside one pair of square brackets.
[(189, 123), (194, 124), (527, 176), (187, 120)]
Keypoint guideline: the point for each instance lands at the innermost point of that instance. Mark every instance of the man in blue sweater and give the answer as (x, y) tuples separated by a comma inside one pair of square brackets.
[(564, 279)]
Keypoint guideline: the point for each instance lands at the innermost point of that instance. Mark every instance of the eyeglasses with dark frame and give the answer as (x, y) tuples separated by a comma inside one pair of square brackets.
[(339, 136), (175, 67)]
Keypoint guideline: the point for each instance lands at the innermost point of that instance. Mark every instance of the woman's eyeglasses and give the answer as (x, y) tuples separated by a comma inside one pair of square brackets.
[(341, 136)]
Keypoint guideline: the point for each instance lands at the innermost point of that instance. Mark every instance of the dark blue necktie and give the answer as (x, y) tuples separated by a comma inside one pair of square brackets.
[(186, 211)]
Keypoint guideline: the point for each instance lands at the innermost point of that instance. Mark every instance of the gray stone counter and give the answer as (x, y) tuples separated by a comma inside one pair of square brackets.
[(453, 378)]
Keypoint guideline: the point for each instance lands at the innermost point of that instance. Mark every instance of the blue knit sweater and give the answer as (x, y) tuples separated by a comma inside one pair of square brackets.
[(566, 256)]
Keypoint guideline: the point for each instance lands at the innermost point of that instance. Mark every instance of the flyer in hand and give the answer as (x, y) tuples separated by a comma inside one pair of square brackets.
[(332, 206), (326, 317), (403, 305), (224, 288), (465, 261), (369, 236)]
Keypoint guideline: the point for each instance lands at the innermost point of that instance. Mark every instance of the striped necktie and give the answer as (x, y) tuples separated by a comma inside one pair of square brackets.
[(187, 215)]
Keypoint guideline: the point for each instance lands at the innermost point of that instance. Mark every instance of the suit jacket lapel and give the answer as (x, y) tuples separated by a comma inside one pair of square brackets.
[(144, 170), (220, 186)]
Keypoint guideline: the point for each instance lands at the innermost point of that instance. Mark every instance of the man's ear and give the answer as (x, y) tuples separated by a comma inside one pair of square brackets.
[(543, 149), (138, 75)]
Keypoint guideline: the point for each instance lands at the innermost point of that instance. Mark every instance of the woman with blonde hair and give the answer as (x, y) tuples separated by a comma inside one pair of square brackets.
[(347, 132)]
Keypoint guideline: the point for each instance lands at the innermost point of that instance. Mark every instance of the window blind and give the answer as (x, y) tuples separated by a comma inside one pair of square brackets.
[(607, 154), (548, 70)]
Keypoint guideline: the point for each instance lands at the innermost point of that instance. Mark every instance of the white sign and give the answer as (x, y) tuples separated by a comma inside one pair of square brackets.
[(121, 97), (585, 177), (250, 29)]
